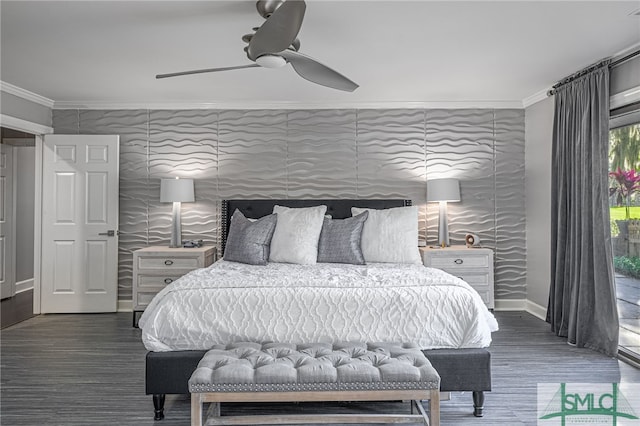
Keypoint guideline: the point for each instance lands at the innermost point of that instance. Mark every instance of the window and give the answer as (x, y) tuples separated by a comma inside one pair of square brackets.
[(624, 202)]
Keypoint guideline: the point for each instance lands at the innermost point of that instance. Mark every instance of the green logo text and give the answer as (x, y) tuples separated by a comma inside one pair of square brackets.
[(587, 404)]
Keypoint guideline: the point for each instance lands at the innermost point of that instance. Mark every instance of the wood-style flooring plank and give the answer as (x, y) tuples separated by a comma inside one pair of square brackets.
[(89, 370)]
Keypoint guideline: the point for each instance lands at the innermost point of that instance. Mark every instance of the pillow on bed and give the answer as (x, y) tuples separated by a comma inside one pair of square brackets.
[(249, 240), (295, 239), (340, 240), (390, 235)]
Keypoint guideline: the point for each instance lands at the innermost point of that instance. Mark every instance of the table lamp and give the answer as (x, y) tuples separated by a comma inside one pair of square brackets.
[(442, 191), (176, 191)]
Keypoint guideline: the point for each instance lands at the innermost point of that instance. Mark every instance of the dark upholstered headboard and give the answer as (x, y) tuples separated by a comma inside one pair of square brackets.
[(338, 209)]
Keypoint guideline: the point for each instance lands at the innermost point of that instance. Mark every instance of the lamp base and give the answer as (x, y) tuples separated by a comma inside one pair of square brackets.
[(176, 227), (443, 225)]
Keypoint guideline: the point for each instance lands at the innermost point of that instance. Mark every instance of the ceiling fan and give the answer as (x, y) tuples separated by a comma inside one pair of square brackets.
[(274, 45)]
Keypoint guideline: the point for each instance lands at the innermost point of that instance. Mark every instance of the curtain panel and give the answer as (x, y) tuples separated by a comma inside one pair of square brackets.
[(582, 297)]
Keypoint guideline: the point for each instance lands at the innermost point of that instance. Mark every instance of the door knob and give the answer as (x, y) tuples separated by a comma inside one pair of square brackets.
[(109, 233)]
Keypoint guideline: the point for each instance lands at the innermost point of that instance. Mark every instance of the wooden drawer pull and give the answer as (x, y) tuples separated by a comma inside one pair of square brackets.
[(458, 261), (168, 280), (168, 262)]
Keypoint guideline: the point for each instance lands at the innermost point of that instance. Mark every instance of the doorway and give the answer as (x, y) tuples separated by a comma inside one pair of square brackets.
[(18, 198)]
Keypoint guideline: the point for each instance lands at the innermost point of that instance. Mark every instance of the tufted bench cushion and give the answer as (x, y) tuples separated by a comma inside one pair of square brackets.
[(283, 367), (321, 371)]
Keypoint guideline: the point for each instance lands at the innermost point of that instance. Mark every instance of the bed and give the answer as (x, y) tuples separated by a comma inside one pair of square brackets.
[(177, 326)]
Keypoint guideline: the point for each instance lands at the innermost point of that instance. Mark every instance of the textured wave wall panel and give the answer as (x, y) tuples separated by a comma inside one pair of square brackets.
[(183, 144), (318, 154), (321, 154), (460, 145), (252, 154), (133, 226), (391, 156)]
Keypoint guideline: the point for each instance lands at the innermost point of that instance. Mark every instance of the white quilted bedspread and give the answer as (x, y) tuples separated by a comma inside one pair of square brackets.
[(230, 302)]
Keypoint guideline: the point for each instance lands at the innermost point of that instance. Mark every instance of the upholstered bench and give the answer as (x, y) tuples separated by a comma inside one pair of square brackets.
[(280, 372)]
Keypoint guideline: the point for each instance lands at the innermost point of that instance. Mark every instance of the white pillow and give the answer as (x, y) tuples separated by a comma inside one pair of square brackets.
[(390, 235), (295, 239)]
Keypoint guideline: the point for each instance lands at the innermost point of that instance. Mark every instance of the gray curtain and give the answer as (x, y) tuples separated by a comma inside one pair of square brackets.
[(582, 299)]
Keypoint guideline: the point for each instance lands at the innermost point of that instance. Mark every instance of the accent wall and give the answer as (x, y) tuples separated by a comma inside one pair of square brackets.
[(328, 153)]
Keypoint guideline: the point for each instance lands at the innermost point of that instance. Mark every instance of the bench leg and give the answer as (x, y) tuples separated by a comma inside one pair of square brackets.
[(478, 403), (158, 406), (196, 410), (433, 418), (434, 408)]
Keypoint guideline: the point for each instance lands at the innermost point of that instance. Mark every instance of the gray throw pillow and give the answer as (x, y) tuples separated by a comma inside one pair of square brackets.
[(248, 240), (340, 240)]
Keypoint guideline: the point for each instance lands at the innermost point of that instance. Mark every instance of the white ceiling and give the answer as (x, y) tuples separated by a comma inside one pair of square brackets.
[(400, 53)]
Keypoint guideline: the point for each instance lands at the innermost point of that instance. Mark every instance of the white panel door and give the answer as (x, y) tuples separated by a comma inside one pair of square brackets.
[(7, 224), (79, 223)]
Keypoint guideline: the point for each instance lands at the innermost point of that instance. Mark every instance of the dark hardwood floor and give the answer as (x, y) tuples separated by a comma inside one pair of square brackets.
[(89, 370)]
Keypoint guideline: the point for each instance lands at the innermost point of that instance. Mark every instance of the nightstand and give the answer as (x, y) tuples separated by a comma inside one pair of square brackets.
[(157, 266), (473, 265)]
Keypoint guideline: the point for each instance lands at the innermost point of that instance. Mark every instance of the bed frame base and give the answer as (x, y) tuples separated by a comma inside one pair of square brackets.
[(459, 369)]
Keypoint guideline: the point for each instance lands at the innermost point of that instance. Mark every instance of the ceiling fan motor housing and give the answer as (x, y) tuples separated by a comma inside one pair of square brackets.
[(267, 7), (271, 61)]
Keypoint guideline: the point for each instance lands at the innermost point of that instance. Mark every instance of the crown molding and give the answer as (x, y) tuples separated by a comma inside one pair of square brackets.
[(249, 105), (25, 94), (535, 98), (289, 105)]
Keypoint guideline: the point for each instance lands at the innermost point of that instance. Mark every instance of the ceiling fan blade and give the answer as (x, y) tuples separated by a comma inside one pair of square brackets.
[(314, 71), (279, 30), (176, 74)]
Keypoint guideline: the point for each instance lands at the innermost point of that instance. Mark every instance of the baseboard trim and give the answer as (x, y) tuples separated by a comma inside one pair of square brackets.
[(522, 305), (24, 285), (125, 306), (536, 310), (511, 304)]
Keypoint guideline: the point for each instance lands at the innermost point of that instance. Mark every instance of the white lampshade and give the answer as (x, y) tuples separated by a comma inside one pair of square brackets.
[(443, 190), (176, 190)]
